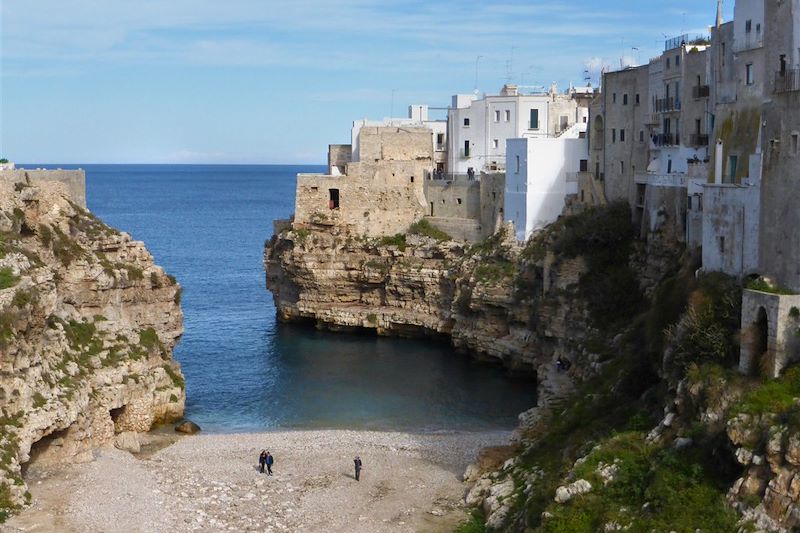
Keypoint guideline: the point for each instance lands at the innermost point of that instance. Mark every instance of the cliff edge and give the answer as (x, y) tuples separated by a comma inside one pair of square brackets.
[(87, 327)]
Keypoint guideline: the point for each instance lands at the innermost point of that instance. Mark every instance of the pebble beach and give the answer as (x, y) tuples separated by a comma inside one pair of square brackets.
[(409, 482)]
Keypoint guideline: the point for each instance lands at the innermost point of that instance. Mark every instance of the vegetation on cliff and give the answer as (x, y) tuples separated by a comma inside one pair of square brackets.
[(84, 334)]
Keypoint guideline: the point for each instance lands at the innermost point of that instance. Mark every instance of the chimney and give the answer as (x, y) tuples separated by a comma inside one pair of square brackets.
[(719, 13)]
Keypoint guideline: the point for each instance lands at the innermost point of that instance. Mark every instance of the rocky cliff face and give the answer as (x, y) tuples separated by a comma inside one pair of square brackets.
[(522, 306), (87, 327), (651, 423)]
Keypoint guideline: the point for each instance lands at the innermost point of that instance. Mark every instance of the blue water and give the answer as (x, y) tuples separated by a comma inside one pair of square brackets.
[(245, 371)]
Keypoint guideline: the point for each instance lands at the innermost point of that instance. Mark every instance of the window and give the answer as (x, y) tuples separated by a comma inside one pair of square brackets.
[(748, 26), (584, 165), (723, 54), (667, 62), (722, 245), (508, 115), (795, 143), (622, 135), (689, 202), (466, 148), (748, 74), (758, 29), (641, 136), (637, 98), (622, 167), (333, 198), (494, 195), (517, 171), (733, 162), (412, 179), (497, 115), (466, 122), (534, 119), (495, 143), (613, 135), (458, 200), (440, 139), (677, 61), (625, 99), (614, 98)]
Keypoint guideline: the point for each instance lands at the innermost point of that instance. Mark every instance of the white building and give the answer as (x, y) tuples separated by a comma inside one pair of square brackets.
[(540, 173), (417, 117), (478, 129)]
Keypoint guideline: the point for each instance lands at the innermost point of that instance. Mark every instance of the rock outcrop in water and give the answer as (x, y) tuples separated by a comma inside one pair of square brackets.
[(87, 327)]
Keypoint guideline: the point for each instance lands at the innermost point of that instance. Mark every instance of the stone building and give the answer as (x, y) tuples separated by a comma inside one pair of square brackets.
[(380, 193)]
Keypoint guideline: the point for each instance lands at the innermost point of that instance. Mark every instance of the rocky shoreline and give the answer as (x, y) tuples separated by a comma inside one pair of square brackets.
[(410, 482)]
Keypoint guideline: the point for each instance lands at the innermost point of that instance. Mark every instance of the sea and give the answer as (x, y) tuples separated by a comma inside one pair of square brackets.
[(245, 371)]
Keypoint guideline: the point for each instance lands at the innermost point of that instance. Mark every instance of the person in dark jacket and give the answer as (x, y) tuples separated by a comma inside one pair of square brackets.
[(270, 461), (357, 462), (262, 460)]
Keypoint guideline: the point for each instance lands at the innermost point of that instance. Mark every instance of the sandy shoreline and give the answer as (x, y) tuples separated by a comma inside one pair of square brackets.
[(410, 482)]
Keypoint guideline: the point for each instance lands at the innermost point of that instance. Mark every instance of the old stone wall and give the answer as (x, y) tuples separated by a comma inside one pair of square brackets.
[(338, 157), (769, 317), (461, 229), (493, 188), (71, 182), (457, 198)]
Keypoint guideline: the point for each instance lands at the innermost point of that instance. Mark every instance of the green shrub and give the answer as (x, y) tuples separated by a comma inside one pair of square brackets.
[(155, 281), (372, 318), (301, 235), (176, 378), (476, 523), (398, 240), (424, 227), (45, 235), (794, 312), (21, 298), (3, 161), (134, 272), (7, 278), (148, 339), (495, 270), (759, 284), (707, 331), (38, 400), (173, 398), (774, 396), (178, 295)]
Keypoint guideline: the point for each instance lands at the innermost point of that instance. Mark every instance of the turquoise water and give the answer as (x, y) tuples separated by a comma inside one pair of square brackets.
[(244, 371)]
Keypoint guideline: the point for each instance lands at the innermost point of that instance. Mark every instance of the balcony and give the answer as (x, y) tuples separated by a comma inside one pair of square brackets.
[(698, 140), (662, 180), (701, 91), (665, 139), (787, 80), (668, 105)]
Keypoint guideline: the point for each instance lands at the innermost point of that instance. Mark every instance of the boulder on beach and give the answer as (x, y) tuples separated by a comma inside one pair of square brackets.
[(128, 440), (188, 427)]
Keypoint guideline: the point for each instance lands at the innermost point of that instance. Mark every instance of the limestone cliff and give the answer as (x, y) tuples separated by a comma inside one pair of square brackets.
[(523, 306), (651, 428), (87, 327)]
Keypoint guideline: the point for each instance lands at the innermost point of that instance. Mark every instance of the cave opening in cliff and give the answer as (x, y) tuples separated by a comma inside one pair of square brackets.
[(45, 450), (115, 415)]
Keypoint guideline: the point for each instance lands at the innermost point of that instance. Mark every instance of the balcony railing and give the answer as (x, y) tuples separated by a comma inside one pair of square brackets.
[(701, 91), (698, 139), (787, 81), (667, 105), (665, 139)]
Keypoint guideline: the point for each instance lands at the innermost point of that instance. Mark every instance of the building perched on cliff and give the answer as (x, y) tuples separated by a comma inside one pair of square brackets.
[(478, 128)]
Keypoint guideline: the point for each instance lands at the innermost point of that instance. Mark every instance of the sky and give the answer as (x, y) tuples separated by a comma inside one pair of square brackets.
[(274, 81)]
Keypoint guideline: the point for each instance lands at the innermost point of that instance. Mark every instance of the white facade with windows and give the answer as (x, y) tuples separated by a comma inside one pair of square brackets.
[(540, 173), (478, 128)]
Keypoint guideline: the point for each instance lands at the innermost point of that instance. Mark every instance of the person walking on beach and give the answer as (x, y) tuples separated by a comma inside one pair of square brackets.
[(269, 460), (262, 460), (357, 462)]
